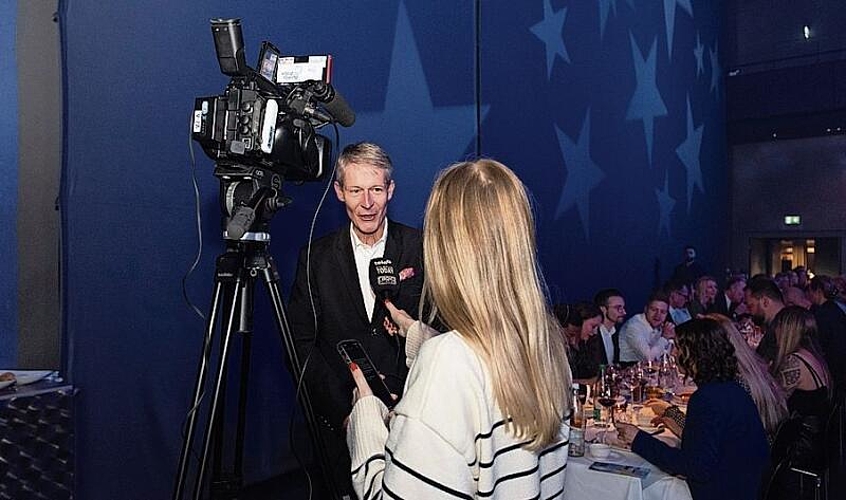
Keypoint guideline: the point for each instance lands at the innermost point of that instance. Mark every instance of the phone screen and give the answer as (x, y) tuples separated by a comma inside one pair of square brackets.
[(353, 352)]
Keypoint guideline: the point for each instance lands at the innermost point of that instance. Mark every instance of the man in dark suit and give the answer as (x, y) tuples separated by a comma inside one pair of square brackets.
[(730, 302), (611, 303), (332, 300)]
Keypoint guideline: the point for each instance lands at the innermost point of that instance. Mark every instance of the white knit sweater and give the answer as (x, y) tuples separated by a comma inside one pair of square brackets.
[(447, 437)]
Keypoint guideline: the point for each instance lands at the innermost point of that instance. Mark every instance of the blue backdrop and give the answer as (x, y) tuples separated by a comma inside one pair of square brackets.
[(610, 111), (9, 187)]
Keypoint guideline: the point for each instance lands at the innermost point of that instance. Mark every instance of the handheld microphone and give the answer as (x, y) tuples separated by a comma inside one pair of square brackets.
[(334, 103), (385, 284)]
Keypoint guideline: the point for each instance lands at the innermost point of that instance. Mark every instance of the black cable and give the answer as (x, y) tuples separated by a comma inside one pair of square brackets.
[(300, 377)]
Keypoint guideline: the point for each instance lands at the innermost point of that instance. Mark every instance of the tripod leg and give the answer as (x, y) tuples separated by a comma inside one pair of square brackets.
[(210, 428), (271, 279), (245, 328), (198, 394)]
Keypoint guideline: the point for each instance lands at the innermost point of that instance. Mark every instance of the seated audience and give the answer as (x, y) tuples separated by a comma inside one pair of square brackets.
[(802, 372), (612, 304), (678, 295), (646, 336), (482, 415), (752, 375), (831, 326), (703, 299), (724, 450), (795, 296), (764, 301), (579, 324), (730, 302)]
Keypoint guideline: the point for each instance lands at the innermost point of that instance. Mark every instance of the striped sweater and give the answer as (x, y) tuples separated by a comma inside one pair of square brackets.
[(447, 438)]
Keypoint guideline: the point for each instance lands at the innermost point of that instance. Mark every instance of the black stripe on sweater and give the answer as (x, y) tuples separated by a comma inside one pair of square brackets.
[(509, 477), (502, 451), (425, 479), (378, 456)]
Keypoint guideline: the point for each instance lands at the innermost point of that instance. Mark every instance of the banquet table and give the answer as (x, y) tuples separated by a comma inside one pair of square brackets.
[(582, 483)]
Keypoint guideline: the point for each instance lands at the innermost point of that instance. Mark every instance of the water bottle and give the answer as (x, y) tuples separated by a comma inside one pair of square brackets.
[(577, 425)]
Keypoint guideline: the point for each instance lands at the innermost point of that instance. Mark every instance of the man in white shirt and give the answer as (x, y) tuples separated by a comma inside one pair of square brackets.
[(646, 336)]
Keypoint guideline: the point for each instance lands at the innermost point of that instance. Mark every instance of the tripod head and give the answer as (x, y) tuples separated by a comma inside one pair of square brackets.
[(249, 198)]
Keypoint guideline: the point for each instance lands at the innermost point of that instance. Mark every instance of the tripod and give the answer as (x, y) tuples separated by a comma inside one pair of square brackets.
[(235, 275)]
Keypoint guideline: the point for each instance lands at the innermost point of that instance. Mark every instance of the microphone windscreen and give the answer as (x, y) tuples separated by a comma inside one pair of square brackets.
[(383, 278)]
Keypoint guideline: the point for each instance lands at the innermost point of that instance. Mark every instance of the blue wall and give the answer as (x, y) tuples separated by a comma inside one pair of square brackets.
[(8, 187), (592, 113)]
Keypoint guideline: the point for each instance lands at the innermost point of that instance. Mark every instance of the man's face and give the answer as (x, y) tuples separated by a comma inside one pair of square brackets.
[(754, 306), (614, 310), (689, 254), (656, 313), (735, 292), (678, 298), (365, 194)]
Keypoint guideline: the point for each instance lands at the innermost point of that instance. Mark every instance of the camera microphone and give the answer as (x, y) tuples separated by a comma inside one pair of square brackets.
[(334, 103), (385, 284)]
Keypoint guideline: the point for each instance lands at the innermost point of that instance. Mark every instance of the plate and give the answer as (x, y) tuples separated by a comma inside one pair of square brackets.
[(613, 456), (25, 377), (651, 429), (6, 383)]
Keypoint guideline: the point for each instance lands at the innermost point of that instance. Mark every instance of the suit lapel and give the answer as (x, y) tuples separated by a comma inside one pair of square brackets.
[(349, 275)]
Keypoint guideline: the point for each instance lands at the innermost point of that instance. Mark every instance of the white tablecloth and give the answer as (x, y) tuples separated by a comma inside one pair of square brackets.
[(585, 484)]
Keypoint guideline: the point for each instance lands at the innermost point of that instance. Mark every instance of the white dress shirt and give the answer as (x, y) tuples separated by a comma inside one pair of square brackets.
[(607, 341), (363, 255), (639, 341)]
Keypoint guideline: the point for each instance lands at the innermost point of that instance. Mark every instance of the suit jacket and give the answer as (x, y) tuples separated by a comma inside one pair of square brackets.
[(597, 346), (341, 314)]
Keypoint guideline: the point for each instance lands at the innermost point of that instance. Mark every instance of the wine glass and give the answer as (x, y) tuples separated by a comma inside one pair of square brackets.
[(604, 392)]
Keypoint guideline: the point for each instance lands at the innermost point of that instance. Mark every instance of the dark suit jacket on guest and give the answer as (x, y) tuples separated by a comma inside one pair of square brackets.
[(597, 346), (341, 314)]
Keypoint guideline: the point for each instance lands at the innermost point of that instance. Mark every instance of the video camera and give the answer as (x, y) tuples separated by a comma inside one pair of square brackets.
[(262, 130)]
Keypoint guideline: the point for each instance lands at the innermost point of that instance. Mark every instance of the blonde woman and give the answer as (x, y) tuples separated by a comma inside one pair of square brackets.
[(483, 410)]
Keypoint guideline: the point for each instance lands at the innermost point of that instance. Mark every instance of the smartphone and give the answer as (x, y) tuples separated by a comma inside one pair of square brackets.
[(352, 351)]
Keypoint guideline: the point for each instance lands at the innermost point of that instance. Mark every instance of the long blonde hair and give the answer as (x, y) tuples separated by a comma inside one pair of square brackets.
[(795, 328), (767, 394), (483, 281)]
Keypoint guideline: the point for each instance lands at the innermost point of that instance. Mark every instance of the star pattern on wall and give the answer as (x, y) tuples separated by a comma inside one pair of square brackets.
[(439, 135), (670, 20), (583, 175), (666, 203), (549, 31), (698, 53), (688, 152), (646, 103), (716, 70), (605, 6)]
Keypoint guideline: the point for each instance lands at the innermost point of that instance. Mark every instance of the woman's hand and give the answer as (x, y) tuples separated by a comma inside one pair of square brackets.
[(362, 388), (400, 318), (626, 433), (657, 406)]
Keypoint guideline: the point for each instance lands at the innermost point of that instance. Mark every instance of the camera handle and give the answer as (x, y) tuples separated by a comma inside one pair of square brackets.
[(235, 275)]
